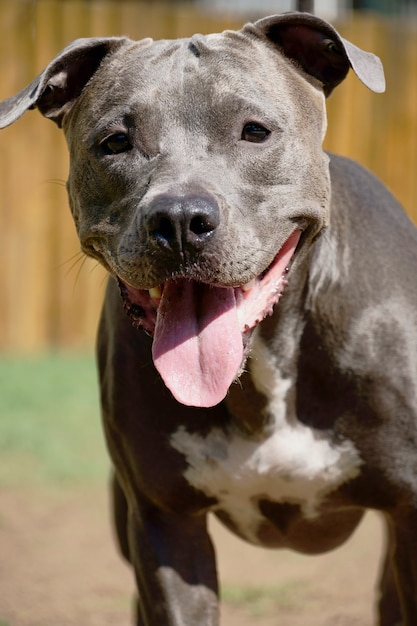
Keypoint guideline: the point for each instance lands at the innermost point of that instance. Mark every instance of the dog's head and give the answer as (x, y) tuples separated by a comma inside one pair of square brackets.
[(197, 176)]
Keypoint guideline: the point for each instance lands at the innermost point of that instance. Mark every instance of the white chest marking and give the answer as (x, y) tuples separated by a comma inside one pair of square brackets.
[(291, 463)]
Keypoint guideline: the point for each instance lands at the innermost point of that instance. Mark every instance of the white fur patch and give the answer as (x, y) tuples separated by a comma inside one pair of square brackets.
[(291, 463)]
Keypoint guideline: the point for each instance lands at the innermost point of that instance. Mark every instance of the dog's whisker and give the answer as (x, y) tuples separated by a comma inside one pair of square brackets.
[(76, 259), (77, 256), (80, 262), (56, 181)]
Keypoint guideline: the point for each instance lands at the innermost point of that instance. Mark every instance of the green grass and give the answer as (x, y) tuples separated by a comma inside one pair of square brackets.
[(261, 601), (50, 430)]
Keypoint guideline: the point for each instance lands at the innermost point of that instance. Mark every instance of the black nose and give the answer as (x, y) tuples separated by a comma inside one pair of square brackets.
[(182, 222)]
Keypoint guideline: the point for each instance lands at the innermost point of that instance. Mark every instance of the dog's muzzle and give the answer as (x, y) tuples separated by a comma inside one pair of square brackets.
[(201, 331)]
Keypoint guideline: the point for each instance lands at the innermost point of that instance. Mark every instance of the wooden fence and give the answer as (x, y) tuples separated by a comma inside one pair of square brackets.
[(50, 294)]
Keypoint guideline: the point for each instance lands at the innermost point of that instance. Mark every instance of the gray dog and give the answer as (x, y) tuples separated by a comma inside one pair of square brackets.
[(198, 179)]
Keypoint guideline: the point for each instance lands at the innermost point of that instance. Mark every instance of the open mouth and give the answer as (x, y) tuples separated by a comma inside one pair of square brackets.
[(200, 331)]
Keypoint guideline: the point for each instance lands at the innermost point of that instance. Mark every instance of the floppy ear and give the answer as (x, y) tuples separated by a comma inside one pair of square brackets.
[(319, 49), (55, 91)]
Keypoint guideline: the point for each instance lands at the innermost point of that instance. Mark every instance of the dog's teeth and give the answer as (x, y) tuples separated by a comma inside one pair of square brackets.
[(248, 286), (155, 293)]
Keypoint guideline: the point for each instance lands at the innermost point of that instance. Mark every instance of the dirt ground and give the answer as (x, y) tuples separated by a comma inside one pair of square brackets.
[(59, 567)]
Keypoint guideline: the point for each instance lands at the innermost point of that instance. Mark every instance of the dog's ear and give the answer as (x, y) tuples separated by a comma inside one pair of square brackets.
[(56, 89), (319, 49)]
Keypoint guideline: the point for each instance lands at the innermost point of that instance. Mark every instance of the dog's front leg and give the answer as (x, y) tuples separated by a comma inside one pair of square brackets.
[(389, 607), (175, 569), (401, 570)]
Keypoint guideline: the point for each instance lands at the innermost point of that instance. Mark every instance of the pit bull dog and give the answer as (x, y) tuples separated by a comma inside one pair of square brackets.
[(198, 179)]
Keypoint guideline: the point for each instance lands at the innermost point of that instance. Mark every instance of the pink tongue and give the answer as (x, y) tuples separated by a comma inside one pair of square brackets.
[(197, 346)]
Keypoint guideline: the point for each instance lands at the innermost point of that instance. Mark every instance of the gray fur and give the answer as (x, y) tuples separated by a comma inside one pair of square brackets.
[(164, 185)]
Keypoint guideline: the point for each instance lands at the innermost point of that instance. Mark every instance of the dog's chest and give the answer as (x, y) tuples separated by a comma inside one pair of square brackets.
[(291, 463)]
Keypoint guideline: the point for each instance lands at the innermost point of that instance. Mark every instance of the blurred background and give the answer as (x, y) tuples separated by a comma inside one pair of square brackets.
[(53, 465), (50, 295)]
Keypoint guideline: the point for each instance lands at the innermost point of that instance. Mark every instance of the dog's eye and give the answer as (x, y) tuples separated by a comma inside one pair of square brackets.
[(256, 133), (116, 144)]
